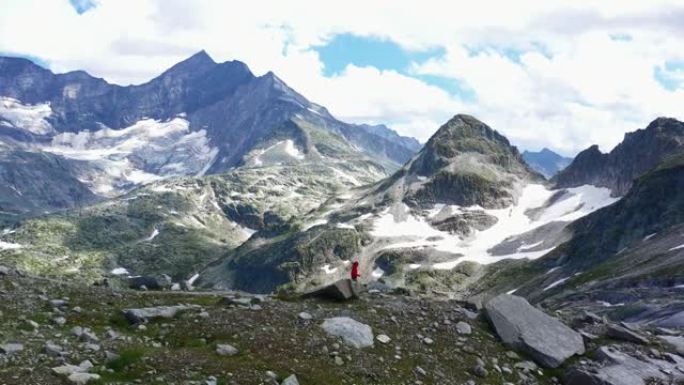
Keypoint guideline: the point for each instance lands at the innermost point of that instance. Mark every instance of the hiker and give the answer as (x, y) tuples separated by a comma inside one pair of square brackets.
[(355, 271)]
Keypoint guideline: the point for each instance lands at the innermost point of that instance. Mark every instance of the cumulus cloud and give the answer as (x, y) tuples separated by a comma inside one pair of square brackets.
[(544, 73)]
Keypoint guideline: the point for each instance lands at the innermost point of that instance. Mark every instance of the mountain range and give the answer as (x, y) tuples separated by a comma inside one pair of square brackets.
[(234, 181), (197, 118)]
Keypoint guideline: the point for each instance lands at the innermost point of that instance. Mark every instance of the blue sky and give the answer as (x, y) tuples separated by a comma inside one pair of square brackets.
[(82, 6), (385, 55), (554, 74)]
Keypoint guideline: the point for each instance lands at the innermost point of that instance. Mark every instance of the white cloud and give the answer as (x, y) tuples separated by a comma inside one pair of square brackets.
[(571, 86)]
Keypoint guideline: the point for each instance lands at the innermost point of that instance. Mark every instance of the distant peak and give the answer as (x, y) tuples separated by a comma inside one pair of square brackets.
[(201, 61), (201, 56)]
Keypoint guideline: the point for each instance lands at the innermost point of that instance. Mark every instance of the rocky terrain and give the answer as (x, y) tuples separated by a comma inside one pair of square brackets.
[(61, 332)]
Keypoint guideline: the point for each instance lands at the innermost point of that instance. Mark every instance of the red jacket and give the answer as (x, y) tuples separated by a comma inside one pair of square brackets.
[(355, 271)]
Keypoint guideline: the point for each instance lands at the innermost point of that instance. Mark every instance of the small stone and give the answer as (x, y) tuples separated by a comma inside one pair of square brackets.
[(271, 374), (428, 341), (339, 361), (480, 371), (53, 349), (291, 380), (383, 338), (305, 316), (60, 321), (59, 303), (83, 378), (226, 350), (463, 328)]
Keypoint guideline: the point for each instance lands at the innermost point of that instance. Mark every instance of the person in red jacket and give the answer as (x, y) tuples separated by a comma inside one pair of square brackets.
[(355, 271)]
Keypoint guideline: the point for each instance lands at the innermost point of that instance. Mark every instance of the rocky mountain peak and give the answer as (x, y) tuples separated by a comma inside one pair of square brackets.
[(464, 135), (200, 61)]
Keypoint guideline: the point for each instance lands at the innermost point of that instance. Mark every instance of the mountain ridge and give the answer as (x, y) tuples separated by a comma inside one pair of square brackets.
[(639, 151)]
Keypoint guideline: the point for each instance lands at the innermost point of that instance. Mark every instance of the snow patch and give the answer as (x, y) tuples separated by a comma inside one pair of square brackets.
[(677, 248), (120, 271), (9, 246), (410, 231), (27, 117), (328, 270), (144, 152), (154, 234), (556, 283)]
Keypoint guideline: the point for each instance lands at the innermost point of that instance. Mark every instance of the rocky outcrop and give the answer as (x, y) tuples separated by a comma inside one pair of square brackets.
[(528, 329)]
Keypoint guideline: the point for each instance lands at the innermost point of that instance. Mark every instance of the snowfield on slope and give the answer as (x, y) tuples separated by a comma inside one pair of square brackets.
[(27, 117), (144, 152), (405, 230)]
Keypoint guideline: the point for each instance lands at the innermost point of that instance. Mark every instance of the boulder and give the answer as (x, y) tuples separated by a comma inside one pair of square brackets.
[(144, 282), (674, 341), (352, 332), (4, 270), (341, 290), (624, 334), (528, 329), (136, 316)]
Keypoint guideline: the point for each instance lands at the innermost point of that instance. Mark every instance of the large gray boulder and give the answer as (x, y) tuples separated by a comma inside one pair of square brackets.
[(341, 290), (352, 332), (621, 333), (530, 330), (676, 342)]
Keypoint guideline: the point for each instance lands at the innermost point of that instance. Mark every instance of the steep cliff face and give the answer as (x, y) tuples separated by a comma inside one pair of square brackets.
[(640, 151)]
